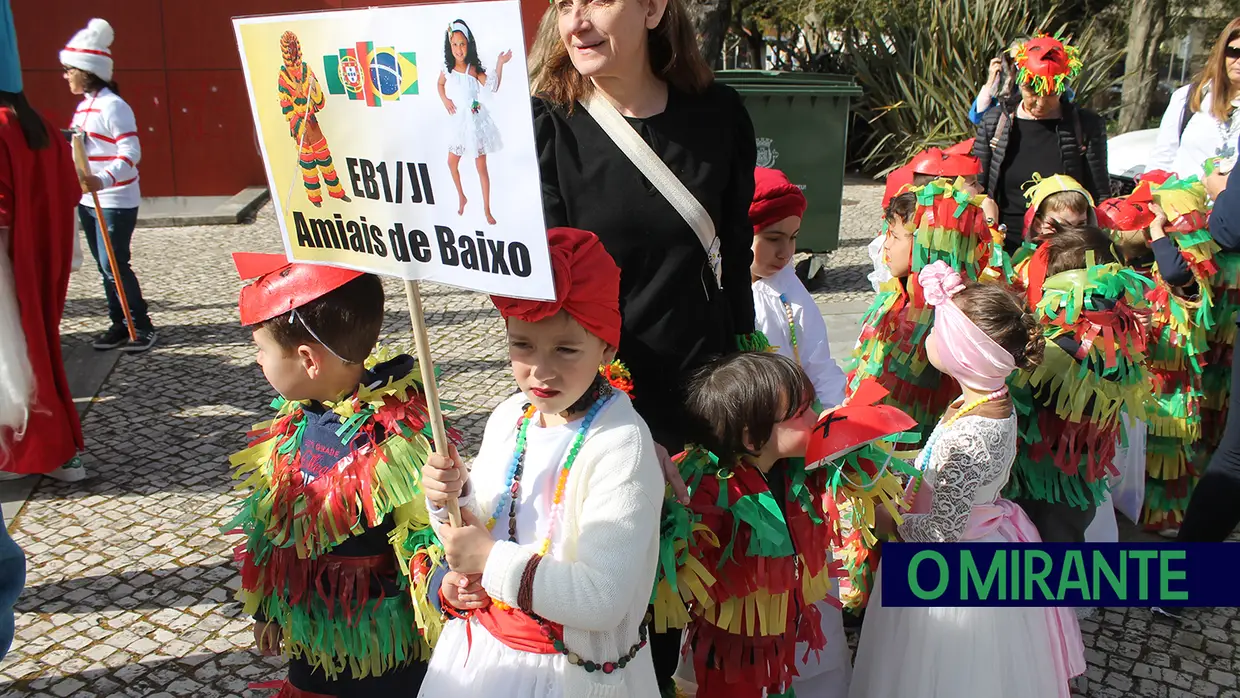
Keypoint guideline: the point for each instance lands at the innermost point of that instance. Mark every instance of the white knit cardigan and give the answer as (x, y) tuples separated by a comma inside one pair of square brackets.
[(598, 586)]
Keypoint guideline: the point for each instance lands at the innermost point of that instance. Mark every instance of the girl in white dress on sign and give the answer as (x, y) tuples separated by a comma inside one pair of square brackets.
[(981, 334), (473, 133)]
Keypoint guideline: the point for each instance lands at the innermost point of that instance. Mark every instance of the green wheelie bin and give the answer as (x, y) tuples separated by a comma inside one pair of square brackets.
[(801, 124)]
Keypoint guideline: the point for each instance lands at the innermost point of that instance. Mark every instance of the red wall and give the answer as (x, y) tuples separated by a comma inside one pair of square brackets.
[(179, 69)]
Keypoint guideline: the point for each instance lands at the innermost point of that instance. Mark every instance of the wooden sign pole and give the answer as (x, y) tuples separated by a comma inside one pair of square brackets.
[(83, 170), (429, 385)]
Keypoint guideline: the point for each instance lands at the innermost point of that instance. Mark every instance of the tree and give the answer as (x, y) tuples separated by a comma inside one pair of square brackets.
[(710, 21), (1146, 26)]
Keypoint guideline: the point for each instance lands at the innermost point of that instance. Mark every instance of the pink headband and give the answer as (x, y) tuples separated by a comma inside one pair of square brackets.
[(968, 354)]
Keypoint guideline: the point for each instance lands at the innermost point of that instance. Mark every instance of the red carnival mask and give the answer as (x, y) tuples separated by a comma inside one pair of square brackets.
[(860, 422), (283, 286)]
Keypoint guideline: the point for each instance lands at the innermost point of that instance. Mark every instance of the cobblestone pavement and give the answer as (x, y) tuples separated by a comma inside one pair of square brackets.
[(130, 582)]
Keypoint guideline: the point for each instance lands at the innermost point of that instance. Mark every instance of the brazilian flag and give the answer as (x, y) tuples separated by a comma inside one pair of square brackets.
[(371, 74)]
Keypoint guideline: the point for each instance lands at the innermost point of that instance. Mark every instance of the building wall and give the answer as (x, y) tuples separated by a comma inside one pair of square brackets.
[(178, 67)]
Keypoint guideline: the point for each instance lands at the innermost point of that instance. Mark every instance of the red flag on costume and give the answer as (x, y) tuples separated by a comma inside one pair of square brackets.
[(774, 199), (587, 286), (282, 285)]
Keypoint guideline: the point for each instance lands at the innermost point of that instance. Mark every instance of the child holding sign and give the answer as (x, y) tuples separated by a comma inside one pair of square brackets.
[(473, 133), (552, 573), (335, 523)]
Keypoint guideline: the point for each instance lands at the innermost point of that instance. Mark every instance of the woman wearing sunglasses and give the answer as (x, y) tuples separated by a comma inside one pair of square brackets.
[(1201, 122)]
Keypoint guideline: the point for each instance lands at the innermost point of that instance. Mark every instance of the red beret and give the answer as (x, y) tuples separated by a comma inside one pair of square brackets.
[(774, 199), (587, 286), (283, 286), (897, 182)]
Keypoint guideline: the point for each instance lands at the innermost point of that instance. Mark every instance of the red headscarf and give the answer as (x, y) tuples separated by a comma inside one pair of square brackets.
[(774, 199), (587, 286)]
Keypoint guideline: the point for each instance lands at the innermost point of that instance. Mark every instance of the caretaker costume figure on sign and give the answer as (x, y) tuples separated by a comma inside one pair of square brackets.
[(301, 99), (473, 133)]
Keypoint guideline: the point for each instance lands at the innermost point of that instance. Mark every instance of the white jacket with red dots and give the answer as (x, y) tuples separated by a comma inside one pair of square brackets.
[(111, 136)]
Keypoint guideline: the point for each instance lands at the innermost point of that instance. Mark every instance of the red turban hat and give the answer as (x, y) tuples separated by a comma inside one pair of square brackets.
[(282, 285), (587, 286), (774, 199)]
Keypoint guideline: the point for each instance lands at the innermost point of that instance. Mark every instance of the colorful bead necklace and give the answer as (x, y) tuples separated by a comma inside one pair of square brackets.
[(508, 499), (792, 326), (924, 458)]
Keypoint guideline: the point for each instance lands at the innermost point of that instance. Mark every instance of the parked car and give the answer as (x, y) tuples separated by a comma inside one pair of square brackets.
[(1127, 154)]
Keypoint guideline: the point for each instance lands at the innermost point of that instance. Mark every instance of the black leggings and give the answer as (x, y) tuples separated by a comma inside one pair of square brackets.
[(1214, 510), (404, 681)]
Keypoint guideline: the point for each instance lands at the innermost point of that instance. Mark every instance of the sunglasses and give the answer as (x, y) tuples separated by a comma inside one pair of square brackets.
[(1232, 52)]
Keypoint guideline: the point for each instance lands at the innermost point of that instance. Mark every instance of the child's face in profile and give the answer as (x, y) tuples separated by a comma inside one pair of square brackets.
[(898, 248), (287, 371), (773, 247), (789, 439), (555, 360)]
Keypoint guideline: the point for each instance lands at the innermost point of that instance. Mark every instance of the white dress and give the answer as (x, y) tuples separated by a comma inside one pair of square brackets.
[(472, 132), (956, 652), (598, 587)]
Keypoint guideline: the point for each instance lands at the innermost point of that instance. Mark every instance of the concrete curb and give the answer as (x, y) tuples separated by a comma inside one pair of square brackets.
[(190, 210)]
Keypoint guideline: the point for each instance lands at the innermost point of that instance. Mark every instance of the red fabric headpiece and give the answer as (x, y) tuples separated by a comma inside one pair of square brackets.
[(283, 286), (587, 286), (1130, 212), (774, 199), (956, 161), (1154, 176), (854, 425)]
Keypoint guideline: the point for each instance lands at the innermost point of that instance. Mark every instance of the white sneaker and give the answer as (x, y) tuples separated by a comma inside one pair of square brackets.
[(73, 471)]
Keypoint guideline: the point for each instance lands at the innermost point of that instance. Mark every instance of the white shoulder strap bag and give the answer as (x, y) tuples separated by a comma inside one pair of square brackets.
[(655, 170)]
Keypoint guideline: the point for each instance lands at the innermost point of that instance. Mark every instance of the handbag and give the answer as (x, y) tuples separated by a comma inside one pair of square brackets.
[(654, 169)]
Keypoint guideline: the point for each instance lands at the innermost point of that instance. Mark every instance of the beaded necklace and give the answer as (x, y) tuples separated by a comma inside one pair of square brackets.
[(792, 326), (923, 459), (508, 499)]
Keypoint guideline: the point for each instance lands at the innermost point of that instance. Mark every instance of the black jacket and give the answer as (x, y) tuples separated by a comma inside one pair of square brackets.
[(1085, 162)]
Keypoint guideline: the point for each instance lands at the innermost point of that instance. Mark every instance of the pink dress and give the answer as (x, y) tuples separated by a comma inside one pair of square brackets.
[(951, 652)]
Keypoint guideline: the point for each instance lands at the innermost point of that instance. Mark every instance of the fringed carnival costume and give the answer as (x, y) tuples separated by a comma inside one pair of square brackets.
[(1177, 343), (743, 565), (949, 226), (1092, 370), (338, 545)]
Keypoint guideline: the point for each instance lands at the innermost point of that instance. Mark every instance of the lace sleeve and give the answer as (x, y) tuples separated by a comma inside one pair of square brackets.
[(959, 468)]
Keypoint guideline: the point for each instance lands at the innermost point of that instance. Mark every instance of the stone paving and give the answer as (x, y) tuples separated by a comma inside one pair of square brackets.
[(130, 583)]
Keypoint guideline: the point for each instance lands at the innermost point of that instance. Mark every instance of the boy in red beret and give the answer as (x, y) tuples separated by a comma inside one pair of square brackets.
[(553, 570), (783, 310), (337, 543)]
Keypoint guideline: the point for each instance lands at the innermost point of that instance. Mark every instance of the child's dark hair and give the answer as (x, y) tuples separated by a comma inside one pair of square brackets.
[(1070, 245), (94, 83), (1002, 314), (750, 391), (347, 320), (32, 125), (471, 49), (902, 205)]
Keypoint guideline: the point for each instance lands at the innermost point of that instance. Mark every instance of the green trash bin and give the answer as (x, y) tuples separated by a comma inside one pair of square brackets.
[(801, 124)]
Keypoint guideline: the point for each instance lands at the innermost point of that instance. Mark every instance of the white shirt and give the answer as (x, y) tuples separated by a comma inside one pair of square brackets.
[(1203, 138), (771, 318), (112, 147), (881, 273)]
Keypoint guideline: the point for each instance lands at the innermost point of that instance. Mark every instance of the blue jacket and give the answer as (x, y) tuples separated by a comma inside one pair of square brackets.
[(1225, 218), (12, 581)]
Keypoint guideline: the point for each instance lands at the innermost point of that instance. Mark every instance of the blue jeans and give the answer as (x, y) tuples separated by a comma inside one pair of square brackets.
[(120, 222), (12, 581)]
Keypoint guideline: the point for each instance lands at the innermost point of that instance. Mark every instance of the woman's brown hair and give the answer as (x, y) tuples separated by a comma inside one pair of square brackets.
[(672, 48), (1001, 313), (1213, 77)]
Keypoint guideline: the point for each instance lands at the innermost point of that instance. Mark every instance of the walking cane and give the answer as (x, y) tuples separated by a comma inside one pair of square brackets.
[(83, 170)]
